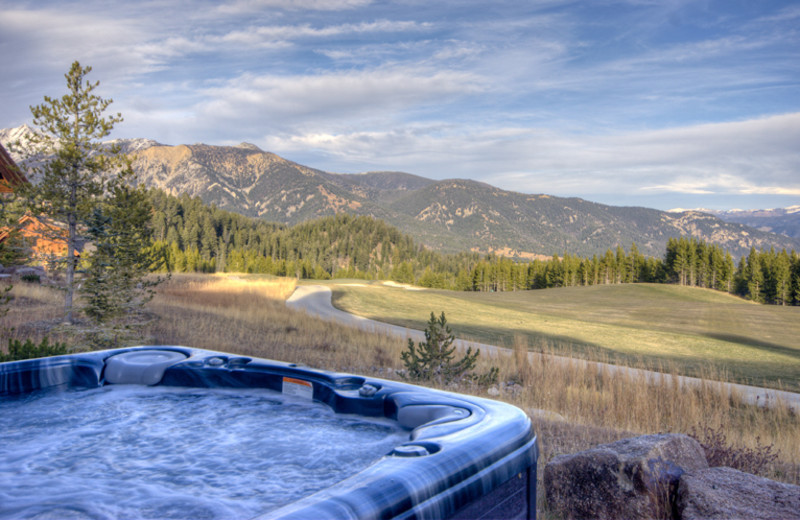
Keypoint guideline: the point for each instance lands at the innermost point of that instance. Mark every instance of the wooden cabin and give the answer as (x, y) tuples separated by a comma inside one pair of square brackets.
[(44, 239)]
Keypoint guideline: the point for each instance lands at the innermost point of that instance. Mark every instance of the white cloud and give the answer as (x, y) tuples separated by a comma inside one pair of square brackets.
[(346, 96), (47, 41), (787, 14), (278, 34), (248, 6), (60, 37), (158, 52), (748, 157), (532, 96), (731, 185)]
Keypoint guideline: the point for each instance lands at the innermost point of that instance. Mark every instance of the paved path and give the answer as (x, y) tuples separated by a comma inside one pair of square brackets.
[(316, 300)]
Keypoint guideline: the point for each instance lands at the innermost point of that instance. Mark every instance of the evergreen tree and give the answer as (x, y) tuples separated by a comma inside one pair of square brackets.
[(13, 250), (635, 265), (10, 250), (676, 261), (609, 267), (779, 280), (76, 167), (754, 276), (621, 266), (794, 291), (115, 287), (434, 358)]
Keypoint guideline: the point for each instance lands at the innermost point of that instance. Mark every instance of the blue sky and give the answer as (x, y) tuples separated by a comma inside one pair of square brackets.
[(658, 103)]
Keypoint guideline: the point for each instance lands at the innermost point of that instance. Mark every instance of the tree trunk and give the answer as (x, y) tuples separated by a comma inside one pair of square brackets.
[(71, 234)]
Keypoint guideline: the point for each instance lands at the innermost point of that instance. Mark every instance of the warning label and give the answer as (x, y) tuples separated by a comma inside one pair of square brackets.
[(298, 388)]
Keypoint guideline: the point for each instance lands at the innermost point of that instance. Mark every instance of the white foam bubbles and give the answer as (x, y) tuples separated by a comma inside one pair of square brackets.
[(160, 452)]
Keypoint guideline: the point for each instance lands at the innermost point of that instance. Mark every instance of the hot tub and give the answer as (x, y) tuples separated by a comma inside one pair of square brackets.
[(439, 454)]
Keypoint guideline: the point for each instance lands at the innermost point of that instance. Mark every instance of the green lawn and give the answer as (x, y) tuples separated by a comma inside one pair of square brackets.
[(692, 330)]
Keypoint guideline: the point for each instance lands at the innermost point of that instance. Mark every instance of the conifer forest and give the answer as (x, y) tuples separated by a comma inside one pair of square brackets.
[(189, 236)]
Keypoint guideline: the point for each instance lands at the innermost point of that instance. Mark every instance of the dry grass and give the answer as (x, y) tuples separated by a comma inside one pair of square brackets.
[(33, 313), (246, 315), (220, 287), (596, 397), (572, 406)]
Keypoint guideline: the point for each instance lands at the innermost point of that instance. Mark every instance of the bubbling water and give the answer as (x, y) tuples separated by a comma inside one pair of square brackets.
[(160, 452)]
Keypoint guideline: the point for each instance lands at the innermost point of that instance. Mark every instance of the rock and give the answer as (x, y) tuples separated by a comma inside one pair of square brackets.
[(631, 478), (724, 493)]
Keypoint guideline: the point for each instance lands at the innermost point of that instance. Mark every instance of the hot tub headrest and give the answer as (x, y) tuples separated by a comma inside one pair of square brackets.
[(413, 416), (140, 367)]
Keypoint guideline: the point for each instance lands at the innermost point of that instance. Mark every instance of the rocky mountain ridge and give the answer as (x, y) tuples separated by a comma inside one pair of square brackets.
[(784, 221), (450, 215)]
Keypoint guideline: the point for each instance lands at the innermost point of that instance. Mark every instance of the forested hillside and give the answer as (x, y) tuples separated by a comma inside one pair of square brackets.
[(191, 236)]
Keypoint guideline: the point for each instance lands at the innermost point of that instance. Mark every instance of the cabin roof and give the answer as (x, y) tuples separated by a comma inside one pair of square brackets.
[(10, 174)]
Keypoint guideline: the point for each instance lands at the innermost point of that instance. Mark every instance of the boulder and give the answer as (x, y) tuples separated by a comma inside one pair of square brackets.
[(628, 479), (724, 493)]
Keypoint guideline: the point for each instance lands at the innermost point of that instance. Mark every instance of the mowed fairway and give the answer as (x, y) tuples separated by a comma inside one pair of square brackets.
[(691, 331)]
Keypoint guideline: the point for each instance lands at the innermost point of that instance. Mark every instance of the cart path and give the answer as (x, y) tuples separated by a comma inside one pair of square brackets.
[(316, 301)]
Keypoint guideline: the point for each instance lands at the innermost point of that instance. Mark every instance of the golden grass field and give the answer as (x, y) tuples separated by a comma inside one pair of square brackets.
[(572, 406)]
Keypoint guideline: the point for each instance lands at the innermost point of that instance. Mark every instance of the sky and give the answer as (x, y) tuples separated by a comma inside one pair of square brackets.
[(657, 103)]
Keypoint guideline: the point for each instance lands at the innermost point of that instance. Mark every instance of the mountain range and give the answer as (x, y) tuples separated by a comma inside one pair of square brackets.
[(784, 221), (450, 215)]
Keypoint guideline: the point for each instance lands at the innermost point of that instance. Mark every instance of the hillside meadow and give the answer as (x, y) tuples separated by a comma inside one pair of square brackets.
[(573, 406), (669, 328)]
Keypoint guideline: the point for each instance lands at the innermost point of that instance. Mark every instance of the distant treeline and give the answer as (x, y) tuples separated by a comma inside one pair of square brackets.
[(193, 237)]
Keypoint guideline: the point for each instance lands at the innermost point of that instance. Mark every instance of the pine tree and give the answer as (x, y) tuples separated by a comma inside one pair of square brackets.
[(13, 250), (635, 265), (115, 287), (755, 276), (434, 358), (622, 268), (76, 167), (781, 278)]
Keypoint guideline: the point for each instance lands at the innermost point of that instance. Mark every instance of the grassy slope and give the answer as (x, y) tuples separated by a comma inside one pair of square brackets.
[(694, 331)]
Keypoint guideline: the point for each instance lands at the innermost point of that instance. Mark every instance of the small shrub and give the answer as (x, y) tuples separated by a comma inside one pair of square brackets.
[(434, 358), (488, 378), (28, 350), (31, 278), (5, 299), (720, 453)]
